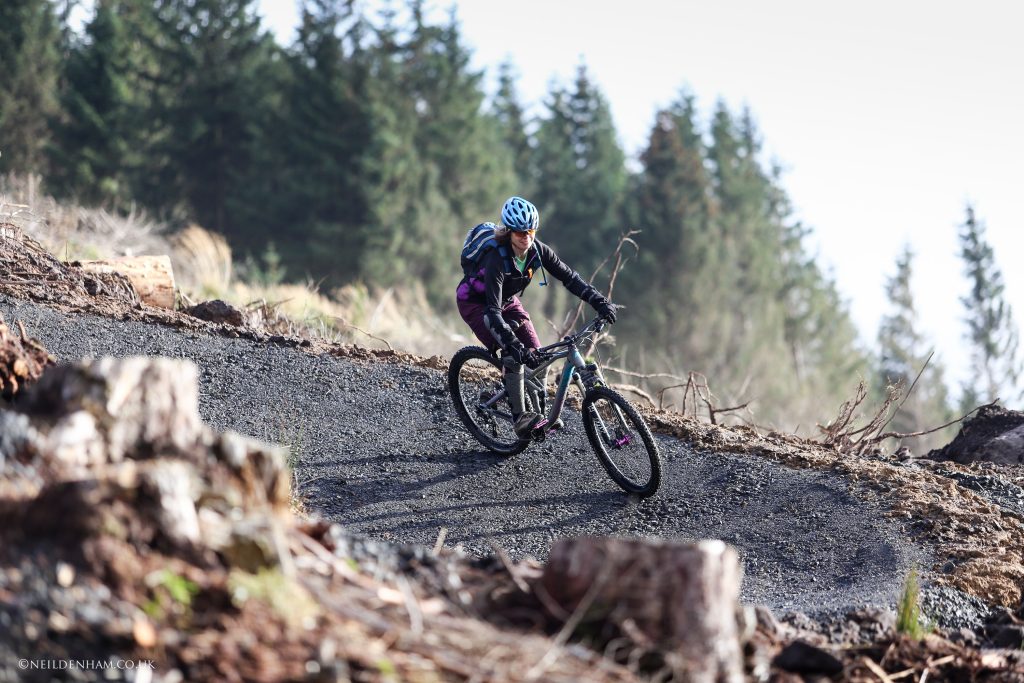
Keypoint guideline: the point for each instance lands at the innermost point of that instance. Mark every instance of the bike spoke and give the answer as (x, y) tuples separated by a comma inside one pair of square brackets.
[(618, 436), (481, 390)]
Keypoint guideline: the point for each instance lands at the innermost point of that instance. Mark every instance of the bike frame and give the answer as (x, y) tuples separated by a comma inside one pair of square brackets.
[(575, 369)]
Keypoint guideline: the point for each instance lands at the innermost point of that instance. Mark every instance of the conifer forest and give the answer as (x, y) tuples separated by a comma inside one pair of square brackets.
[(363, 151)]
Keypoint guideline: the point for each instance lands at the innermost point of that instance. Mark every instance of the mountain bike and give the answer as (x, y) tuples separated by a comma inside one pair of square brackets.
[(616, 431)]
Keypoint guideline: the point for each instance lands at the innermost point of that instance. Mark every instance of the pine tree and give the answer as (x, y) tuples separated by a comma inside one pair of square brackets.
[(670, 206), (992, 332), (902, 357), (149, 170), (29, 67), (324, 131), (511, 118), (454, 132), (581, 175), (219, 67), (435, 163), (775, 328), (747, 236), (94, 138)]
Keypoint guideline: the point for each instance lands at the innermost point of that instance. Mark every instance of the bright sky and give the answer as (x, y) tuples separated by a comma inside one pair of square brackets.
[(887, 116)]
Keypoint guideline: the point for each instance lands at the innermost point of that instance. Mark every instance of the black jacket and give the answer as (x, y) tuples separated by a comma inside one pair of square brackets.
[(500, 287)]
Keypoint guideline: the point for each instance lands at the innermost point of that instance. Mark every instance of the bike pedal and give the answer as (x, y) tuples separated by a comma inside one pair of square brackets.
[(540, 430)]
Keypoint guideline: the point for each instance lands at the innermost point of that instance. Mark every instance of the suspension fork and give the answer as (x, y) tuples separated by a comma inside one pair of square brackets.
[(602, 427), (575, 367)]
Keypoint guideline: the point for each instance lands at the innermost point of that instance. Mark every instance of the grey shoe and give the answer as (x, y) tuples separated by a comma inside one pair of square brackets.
[(557, 424), (526, 423)]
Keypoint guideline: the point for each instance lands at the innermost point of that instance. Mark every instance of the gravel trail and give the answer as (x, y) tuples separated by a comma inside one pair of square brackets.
[(381, 451)]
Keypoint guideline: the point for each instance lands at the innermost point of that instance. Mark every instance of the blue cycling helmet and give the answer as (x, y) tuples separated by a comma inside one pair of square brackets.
[(519, 215)]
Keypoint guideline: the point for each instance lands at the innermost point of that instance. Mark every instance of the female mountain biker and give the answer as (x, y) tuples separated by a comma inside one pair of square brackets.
[(488, 300)]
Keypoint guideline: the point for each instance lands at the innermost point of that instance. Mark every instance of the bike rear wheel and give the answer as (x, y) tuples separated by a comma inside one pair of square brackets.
[(622, 441), (474, 379)]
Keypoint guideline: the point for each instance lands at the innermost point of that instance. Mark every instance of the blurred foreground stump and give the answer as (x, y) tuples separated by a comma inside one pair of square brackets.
[(678, 602), (22, 360), (151, 276)]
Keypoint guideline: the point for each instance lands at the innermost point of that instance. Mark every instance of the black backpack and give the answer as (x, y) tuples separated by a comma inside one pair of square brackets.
[(480, 240)]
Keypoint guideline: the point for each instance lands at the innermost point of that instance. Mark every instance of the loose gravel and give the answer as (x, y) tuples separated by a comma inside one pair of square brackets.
[(378, 448)]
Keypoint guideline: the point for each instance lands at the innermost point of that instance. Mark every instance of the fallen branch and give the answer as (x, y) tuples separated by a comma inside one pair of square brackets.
[(877, 670), (509, 567), (909, 391), (633, 389), (368, 334), (640, 375), (839, 435), (661, 395), (900, 435)]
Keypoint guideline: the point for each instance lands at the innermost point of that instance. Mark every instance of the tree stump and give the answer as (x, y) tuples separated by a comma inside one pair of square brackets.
[(680, 602), (22, 360), (151, 276)]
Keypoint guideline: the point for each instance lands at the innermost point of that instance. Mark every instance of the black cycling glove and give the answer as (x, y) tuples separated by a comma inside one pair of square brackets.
[(532, 359), (520, 355), (517, 353), (606, 309)]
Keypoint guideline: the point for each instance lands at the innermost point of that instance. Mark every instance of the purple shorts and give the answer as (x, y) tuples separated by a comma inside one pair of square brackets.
[(513, 312)]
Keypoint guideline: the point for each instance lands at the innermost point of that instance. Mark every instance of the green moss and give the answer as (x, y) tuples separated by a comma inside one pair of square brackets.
[(387, 668), (285, 596), (178, 587), (172, 597)]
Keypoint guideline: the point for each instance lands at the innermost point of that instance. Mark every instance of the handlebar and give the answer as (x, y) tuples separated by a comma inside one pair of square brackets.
[(595, 325)]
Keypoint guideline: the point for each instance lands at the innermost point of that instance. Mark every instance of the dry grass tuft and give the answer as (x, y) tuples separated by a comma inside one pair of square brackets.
[(72, 232), (202, 262)]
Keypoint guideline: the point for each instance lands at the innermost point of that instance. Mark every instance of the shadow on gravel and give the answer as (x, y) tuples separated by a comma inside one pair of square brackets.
[(399, 477), (495, 519)]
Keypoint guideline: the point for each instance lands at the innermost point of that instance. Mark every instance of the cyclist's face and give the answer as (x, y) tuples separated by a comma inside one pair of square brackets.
[(522, 239)]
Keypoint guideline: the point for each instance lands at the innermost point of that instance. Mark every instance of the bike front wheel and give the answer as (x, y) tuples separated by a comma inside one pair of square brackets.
[(622, 441), (474, 381)]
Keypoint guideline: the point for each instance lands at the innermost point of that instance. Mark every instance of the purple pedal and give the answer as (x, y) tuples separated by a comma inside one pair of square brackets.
[(624, 440)]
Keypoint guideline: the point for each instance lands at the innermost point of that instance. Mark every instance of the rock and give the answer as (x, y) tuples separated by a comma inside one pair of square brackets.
[(1005, 629), (964, 636), (872, 623), (217, 311), (995, 434), (675, 598), (803, 658), (144, 633), (1007, 448), (65, 574)]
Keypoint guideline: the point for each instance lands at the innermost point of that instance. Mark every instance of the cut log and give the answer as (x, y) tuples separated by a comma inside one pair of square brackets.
[(678, 600), (151, 276)]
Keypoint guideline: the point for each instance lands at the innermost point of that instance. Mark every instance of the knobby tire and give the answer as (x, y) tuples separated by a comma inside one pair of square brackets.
[(643, 489), (466, 413)]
